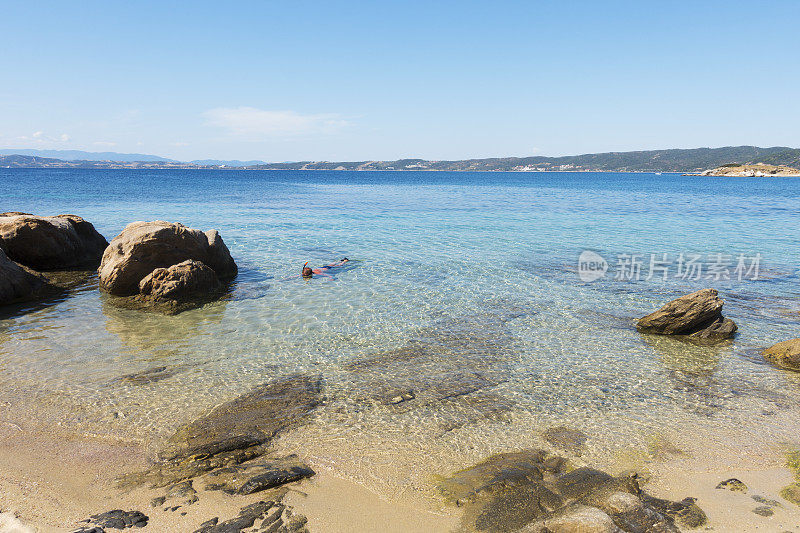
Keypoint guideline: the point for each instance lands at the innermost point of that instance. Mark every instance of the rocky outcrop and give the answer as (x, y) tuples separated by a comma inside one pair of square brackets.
[(533, 491), (61, 242), (237, 433), (697, 315), (18, 284), (273, 517), (757, 170), (165, 267), (785, 354), (118, 519), (143, 247)]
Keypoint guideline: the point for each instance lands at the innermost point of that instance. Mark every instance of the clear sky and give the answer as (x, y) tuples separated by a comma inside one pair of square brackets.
[(347, 80)]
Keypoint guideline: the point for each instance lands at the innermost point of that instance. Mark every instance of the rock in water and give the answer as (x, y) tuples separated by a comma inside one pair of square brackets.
[(142, 247), (530, 491), (237, 432), (179, 282), (785, 354), (697, 315), (18, 284), (253, 418), (570, 440), (62, 242)]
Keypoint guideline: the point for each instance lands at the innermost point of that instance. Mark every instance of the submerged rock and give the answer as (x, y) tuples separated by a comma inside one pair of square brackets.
[(142, 247), (697, 315), (570, 440), (51, 243), (785, 354), (18, 284), (530, 491), (235, 432)]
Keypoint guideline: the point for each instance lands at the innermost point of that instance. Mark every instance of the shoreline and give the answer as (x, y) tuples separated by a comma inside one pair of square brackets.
[(52, 480)]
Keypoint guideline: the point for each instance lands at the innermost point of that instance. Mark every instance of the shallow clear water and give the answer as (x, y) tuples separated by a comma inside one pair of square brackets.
[(463, 287)]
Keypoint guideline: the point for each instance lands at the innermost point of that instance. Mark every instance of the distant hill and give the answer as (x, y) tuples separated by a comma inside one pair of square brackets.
[(227, 163), (79, 155), (673, 160), (32, 161)]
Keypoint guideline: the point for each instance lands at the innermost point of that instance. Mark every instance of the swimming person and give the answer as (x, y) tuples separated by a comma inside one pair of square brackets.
[(308, 272)]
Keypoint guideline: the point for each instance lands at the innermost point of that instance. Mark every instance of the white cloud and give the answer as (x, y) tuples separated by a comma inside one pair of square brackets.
[(252, 122), (40, 138), (179, 144), (104, 143)]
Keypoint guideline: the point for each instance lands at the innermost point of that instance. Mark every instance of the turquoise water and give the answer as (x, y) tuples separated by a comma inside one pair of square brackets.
[(463, 288)]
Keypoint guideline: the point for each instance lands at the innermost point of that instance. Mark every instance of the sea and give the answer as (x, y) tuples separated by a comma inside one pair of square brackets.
[(477, 311)]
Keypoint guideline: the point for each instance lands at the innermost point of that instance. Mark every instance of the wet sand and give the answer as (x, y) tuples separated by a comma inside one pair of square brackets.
[(53, 482)]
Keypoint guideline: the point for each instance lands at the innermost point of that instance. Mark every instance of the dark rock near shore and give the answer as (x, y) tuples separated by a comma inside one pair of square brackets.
[(143, 247), (733, 485), (697, 316), (19, 284), (520, 492), (274, 517), (258, 475), (785, 354), (764, 510), (234, 432), (61, 242), (251, 419), (119, 519)]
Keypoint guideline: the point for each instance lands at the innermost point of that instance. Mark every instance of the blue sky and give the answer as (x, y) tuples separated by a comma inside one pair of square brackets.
[(301, 80)]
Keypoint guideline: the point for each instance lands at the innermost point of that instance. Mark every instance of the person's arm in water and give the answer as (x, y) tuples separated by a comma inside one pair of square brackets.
[(337, 264)]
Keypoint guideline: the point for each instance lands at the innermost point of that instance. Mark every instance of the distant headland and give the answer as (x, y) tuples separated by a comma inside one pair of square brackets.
[(690, 161), (756, 170)]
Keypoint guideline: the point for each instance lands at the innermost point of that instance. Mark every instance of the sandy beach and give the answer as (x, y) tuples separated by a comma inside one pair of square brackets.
[(51, 481)]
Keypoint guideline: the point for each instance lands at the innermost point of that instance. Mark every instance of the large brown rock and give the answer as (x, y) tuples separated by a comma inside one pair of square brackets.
[(179, 282), (50, 243), (143, 247), (18, 284), (785, 354), (697, 315)]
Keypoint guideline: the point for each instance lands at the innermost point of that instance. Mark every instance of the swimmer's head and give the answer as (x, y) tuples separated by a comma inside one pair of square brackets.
[(307, 272)]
